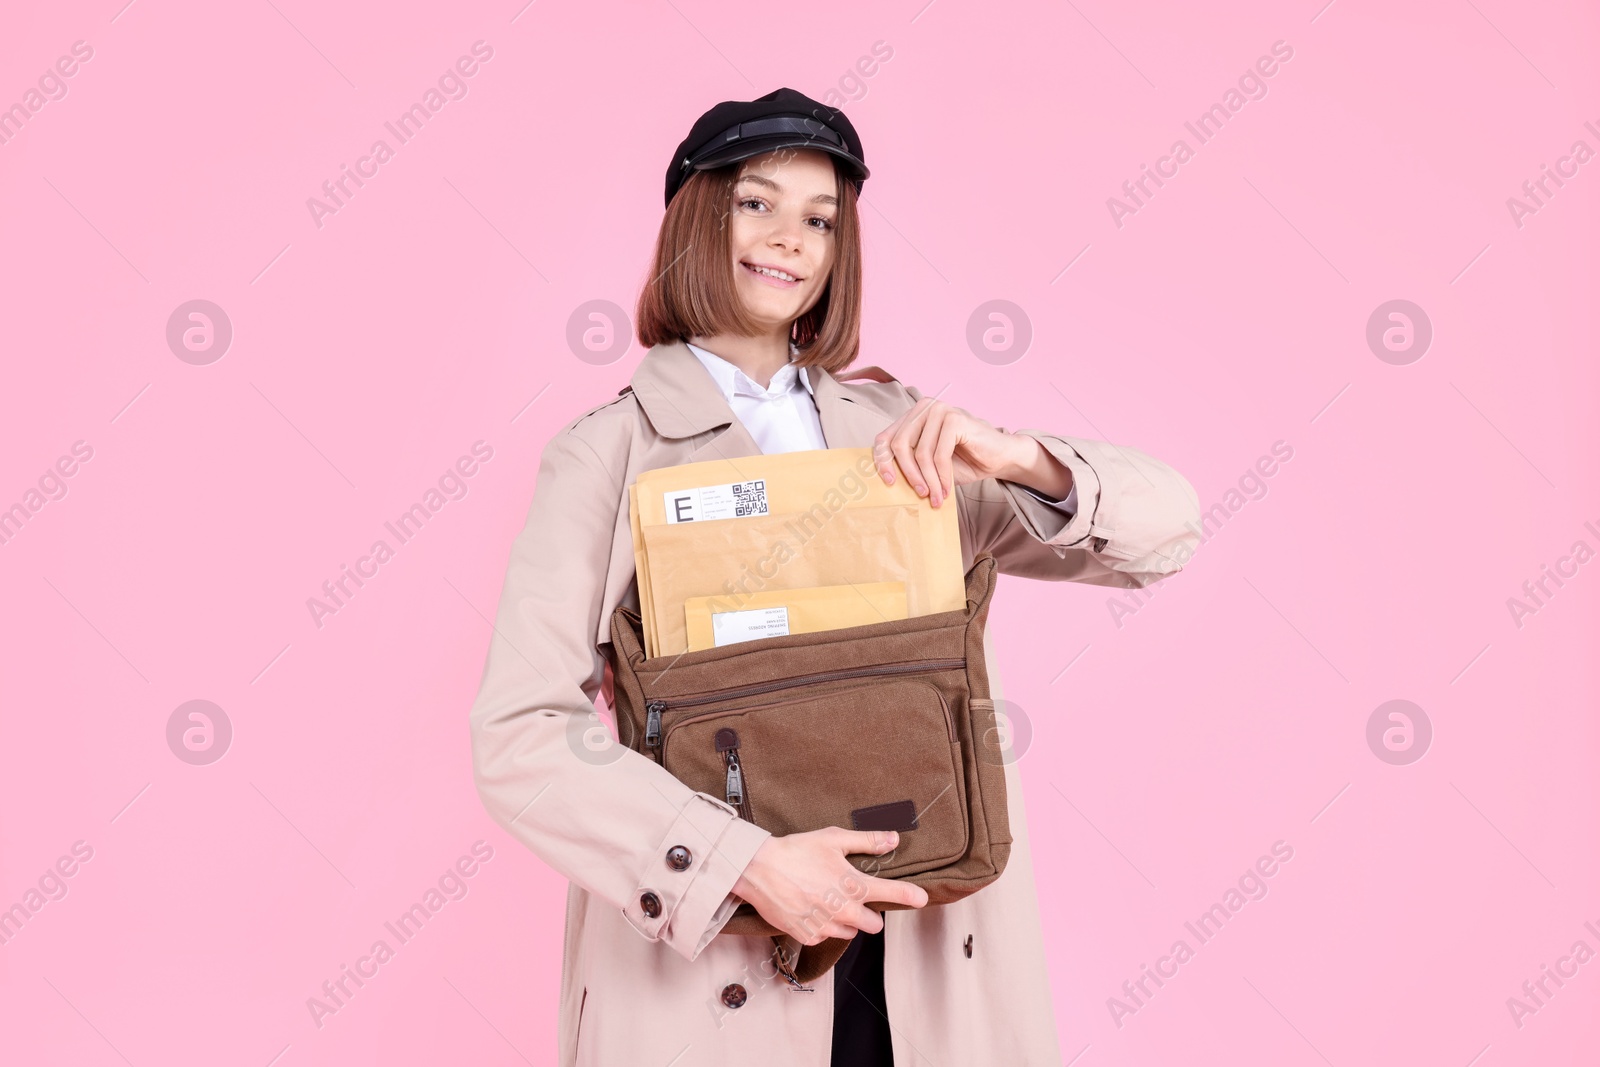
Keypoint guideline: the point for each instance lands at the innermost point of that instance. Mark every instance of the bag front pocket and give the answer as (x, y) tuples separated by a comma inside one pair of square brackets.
[(892, 762)]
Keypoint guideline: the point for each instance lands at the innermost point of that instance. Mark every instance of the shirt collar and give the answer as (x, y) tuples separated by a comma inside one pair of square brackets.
[(681, 403), (735, 382)]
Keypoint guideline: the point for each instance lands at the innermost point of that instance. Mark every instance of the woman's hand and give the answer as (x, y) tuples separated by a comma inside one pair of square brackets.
[(803, 885), (939, 446)]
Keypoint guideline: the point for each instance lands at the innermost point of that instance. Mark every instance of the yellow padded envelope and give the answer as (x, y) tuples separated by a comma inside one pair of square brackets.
[(740, 558), (714, 621), (710, 528)]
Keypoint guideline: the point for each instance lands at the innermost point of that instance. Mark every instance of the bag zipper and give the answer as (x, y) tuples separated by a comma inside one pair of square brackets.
[(654, 708), (727, 741), (944, 706)]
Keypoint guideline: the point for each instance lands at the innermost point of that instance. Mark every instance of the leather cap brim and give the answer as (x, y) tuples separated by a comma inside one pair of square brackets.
[(852, 167)]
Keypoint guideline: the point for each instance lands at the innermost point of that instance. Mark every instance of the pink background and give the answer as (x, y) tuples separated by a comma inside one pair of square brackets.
[(368, 354)]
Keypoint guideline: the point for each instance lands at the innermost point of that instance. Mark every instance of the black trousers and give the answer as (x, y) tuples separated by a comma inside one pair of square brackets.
[(860, 1010)]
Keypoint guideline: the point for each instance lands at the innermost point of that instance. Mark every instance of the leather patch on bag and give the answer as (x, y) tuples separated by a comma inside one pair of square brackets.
[(899, 815)]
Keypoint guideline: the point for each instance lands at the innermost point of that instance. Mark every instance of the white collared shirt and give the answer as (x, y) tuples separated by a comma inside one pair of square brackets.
[(783, 416)]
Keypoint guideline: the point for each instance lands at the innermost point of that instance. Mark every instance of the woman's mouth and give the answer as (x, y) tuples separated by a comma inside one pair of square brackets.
[(773, 276)]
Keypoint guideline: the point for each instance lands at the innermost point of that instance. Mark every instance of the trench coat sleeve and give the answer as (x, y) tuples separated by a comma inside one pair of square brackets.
[(605, 817), (1067, 505), (1137, 520)]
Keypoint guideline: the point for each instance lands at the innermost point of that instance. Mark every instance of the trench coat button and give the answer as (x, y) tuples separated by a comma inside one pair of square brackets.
[(734, 995), (678, 858), (650, 903), (968, 946)]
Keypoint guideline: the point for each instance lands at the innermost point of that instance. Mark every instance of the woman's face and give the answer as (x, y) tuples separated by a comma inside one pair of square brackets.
[(785, 207)]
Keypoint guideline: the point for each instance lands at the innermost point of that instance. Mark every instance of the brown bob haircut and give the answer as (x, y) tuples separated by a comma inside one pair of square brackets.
[(691, 293)]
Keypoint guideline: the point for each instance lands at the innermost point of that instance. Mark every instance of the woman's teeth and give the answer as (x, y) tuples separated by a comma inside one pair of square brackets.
[(773, 273)]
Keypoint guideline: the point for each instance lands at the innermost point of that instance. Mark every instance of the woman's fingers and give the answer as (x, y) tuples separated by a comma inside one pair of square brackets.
[(867, 921), (943, 456), (868, 842), (912, 448), (927, 451), (843, 923), (876, 843), (891, 891), (858, 917), (902, 438), (922, 443), (816, 893)]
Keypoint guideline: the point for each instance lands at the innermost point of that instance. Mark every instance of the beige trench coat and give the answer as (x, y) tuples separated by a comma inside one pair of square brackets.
[(640, 990)]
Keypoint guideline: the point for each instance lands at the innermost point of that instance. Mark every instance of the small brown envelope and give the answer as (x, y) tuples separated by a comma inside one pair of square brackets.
[(714, 621)]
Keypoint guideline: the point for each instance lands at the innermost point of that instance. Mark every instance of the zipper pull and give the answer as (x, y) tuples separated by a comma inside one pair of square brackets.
[(735, 781), (652, 723), (728, 744)]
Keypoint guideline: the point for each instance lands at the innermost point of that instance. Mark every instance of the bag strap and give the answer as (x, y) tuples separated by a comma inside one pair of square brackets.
[(801, 964)]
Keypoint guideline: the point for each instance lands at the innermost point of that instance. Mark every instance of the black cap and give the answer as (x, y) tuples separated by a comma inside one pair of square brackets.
[(739, 129)]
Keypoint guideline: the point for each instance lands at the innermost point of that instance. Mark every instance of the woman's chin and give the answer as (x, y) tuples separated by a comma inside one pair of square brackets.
[(776, 311)]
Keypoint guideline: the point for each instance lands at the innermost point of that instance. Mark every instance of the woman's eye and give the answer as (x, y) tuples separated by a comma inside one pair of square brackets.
[(757, 206)]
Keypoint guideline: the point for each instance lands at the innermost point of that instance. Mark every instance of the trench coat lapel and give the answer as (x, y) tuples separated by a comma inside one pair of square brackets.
[(849, 419), (683, 402)]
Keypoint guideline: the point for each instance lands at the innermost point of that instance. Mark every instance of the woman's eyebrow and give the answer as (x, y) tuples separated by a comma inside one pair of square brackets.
[(820, 198)]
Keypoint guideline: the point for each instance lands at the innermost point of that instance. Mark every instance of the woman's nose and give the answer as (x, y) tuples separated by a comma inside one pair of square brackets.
[(788, 233)]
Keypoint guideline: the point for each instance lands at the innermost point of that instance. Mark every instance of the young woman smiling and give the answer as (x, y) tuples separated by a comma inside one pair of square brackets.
[(751, 312)]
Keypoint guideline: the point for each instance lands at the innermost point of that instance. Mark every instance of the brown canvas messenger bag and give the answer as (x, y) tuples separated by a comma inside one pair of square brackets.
[(887, 726)]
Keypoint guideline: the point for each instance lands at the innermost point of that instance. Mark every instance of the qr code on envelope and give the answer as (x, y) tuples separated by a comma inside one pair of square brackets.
[(734, 500)]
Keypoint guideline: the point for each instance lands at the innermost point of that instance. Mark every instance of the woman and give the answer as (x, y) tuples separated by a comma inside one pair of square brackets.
[(751, 312)]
